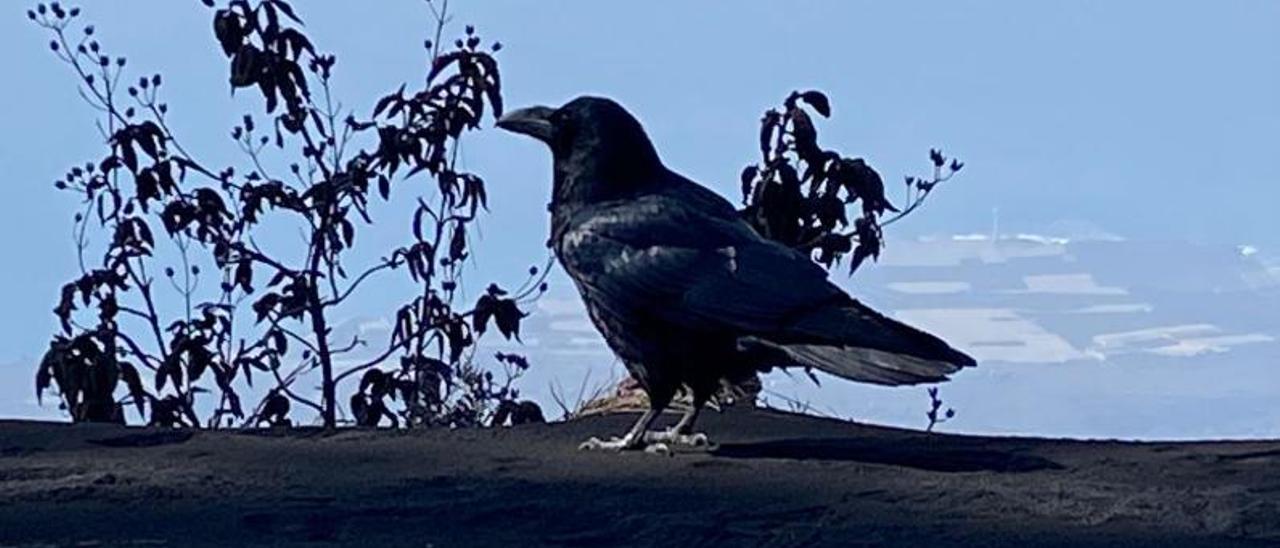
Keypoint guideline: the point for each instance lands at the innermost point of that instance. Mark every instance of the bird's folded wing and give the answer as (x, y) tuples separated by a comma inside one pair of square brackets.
[(700, 272)]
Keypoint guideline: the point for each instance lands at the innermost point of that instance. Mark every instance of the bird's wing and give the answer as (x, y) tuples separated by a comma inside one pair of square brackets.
[(658, 255), (707, 273)]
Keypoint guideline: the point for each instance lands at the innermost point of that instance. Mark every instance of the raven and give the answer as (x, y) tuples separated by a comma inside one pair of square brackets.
[(684, 291)]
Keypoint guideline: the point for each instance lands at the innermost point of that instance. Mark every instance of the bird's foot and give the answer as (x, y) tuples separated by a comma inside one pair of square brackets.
[(627, 443), (678, 438)]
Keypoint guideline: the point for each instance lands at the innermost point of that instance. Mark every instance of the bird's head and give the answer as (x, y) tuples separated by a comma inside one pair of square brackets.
[(600, 149)]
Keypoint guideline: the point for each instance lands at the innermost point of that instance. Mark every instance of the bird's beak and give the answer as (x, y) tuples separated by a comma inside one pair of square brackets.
[(533, 121)]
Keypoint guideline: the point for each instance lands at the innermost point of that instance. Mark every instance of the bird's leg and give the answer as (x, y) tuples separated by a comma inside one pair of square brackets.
[(634, 438), (660, 395), (682, 433)]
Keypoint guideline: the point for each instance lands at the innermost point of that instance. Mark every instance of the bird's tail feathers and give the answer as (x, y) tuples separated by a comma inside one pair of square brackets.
[(871, 366), (851, 341)]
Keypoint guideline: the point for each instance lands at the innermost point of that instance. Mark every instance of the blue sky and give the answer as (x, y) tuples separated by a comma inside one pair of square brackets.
[(1151, 120)]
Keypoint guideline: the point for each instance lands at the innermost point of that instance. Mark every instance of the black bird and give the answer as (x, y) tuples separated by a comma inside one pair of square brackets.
[(688, 294)]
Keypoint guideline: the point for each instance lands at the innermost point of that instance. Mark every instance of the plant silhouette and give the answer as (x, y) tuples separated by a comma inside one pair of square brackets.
[(271, 313), (801, 194)]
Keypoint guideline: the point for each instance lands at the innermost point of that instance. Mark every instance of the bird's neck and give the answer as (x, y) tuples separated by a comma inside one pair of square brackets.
[(576, 189), (597, 169), (589, 181)]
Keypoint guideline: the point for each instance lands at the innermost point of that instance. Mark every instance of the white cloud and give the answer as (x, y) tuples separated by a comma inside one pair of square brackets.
[(1177, 340), (572, 326), (601, 351), (967, 247), (993, 334), (930, 288), (379, 324), (1079, 230), (1067, 284), (1207, 345), (1126, 339), (561, 307), (1126, 308), (1045, 240), (586, 341)]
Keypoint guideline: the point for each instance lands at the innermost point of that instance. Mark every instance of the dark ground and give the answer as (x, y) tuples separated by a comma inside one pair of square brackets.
[(774, 480)]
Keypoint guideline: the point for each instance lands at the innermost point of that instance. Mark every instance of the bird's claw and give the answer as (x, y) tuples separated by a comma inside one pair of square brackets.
[(597, 444), (659, 449), (673, 437), (624, 444)]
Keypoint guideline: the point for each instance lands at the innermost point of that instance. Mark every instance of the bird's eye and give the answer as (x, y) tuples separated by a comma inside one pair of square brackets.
[(558, 119), (564, 129)]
